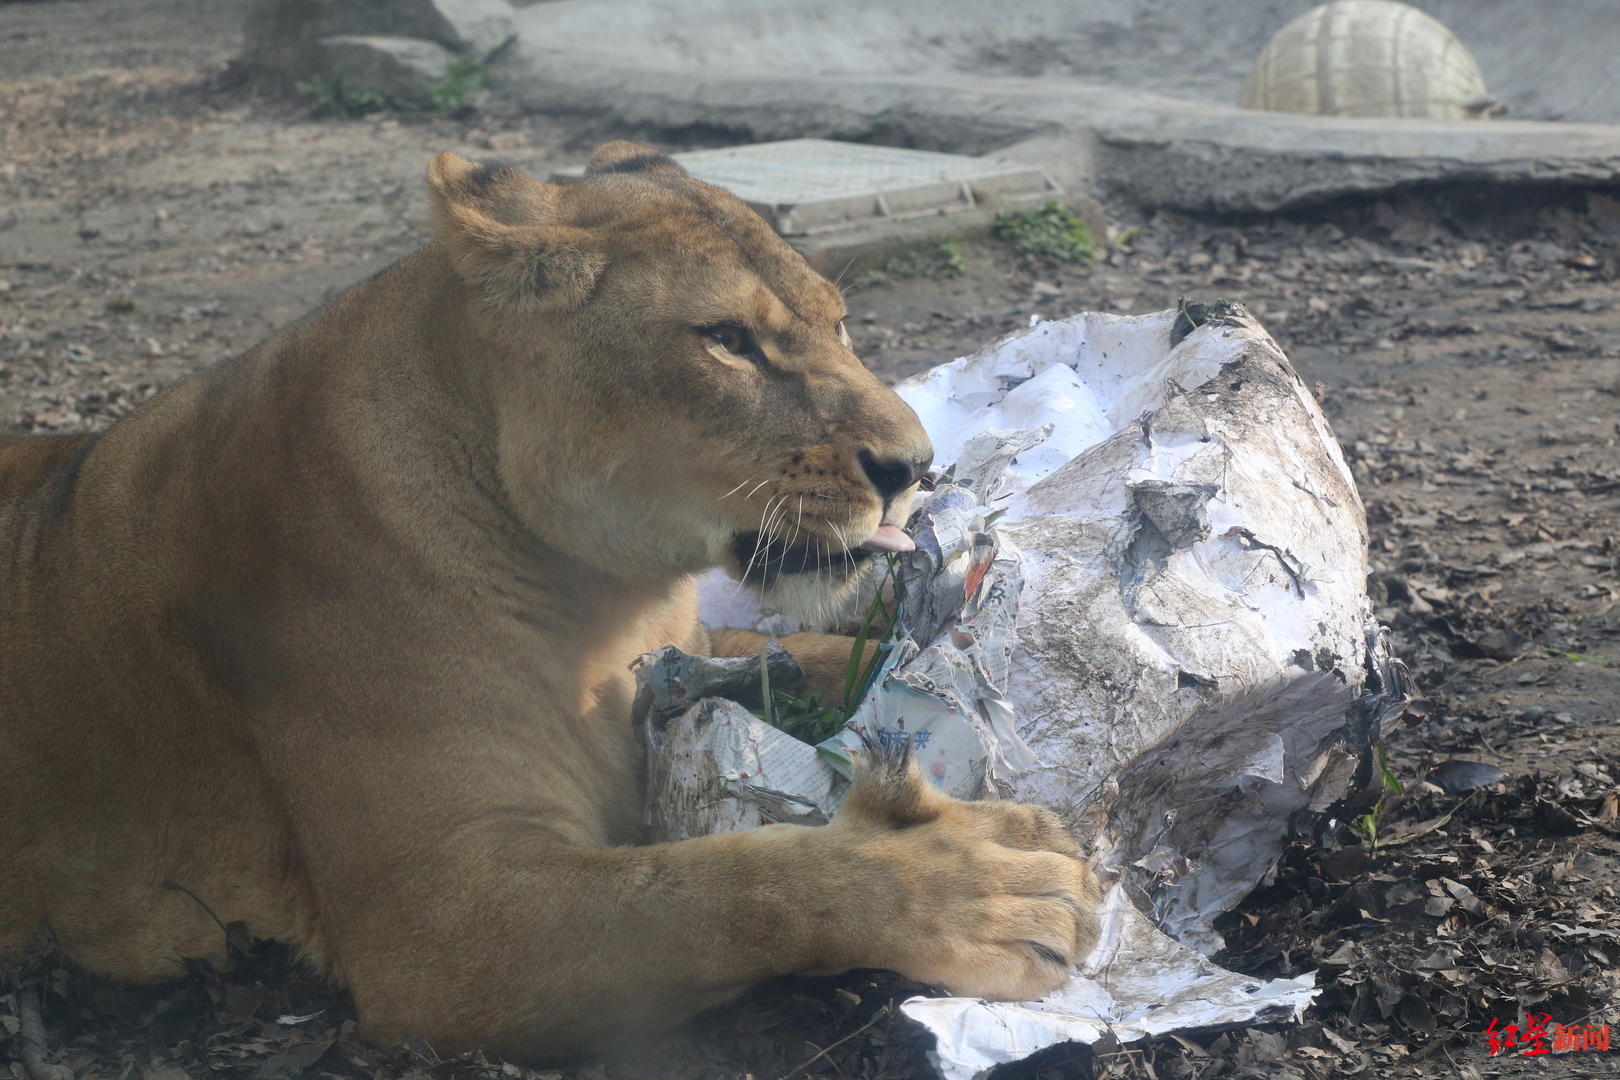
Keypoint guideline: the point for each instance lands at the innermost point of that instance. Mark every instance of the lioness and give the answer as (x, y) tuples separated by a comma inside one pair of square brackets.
[(335, 635)]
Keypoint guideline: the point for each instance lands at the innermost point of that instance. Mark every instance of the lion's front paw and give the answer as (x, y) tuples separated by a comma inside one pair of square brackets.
[(985, 900)]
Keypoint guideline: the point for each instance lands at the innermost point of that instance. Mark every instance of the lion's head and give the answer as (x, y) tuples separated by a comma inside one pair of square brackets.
[(671, 384)]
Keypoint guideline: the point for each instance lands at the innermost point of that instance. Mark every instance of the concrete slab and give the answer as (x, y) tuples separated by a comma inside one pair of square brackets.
[(849, 206), (813, 187)]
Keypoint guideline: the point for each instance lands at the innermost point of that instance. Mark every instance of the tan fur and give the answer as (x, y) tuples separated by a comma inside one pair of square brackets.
[(335, 635)]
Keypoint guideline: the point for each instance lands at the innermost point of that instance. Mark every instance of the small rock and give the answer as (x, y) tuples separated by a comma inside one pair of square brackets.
[(1500, 643), (506, 140), (399, 70), (1460, 777), (1547, 251), (279, 32), (1530, 714)]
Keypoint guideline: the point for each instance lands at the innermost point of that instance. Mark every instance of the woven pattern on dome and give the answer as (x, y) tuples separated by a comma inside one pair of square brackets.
[(1366, 58)]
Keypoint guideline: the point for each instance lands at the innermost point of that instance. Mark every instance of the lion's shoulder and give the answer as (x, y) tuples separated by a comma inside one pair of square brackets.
[(32, 463)]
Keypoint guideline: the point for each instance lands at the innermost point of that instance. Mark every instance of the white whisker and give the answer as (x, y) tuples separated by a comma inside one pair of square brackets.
[(733, 491), (770, 527), (823, 566), (760, 543), (788, 544), (849, 559)]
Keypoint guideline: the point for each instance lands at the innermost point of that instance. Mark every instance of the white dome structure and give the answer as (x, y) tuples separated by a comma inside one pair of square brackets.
[(1367, 58)]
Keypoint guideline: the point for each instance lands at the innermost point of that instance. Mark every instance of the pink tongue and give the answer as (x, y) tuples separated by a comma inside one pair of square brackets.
[(889, 538)]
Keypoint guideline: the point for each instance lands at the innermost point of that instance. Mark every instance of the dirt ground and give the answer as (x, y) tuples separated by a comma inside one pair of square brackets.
[(157, 214)]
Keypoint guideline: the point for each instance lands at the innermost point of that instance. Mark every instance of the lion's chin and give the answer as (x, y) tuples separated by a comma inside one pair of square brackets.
[(815, 584)]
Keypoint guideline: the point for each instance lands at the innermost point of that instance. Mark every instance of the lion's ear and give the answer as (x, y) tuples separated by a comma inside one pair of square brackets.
[(497, 224), (622, 156)]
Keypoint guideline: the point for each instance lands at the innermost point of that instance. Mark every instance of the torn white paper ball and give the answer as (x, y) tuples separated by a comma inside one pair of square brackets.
[(1192, 659)]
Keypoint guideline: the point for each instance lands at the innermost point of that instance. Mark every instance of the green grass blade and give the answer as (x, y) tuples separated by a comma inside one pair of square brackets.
[(765, 681)]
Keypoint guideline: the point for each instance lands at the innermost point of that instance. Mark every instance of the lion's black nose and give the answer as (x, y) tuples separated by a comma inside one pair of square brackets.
[(892, 475)]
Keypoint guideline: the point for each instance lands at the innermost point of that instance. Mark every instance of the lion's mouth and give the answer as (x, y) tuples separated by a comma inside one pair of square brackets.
[(765, 561)]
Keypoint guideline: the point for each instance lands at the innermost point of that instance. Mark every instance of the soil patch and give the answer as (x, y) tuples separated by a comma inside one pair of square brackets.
[(156, 216)]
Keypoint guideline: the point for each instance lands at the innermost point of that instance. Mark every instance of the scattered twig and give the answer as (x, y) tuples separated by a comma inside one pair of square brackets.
[(1286, 558), (819, 1054), (1437, 823)]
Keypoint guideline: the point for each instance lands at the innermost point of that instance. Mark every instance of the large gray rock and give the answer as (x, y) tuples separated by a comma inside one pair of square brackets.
[(377, 70), (283, 35)]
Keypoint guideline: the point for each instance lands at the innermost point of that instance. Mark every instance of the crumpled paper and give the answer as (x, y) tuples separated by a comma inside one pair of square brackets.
[(1136, 983), (1139, 599), (713, 766)]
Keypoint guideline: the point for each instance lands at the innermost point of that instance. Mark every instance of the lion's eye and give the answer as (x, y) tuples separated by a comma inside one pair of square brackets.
[(737, 340), (843, 333)]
